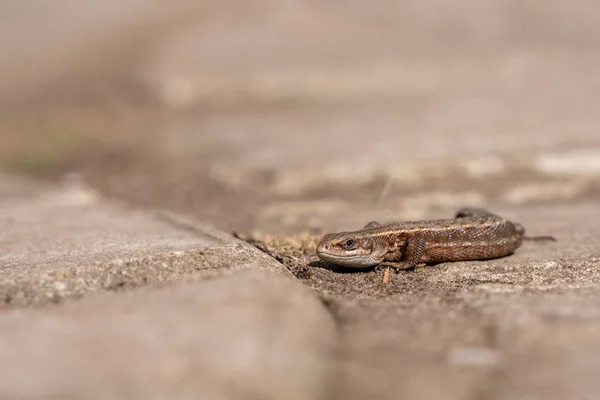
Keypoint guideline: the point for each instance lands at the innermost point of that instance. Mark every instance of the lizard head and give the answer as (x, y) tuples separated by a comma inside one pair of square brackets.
[(349, 249)]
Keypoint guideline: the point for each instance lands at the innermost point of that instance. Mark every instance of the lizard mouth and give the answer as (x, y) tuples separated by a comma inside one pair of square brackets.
[(355, 261)]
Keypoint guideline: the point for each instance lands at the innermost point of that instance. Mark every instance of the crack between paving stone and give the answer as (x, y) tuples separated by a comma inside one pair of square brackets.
[(190, 225), (330, 305)]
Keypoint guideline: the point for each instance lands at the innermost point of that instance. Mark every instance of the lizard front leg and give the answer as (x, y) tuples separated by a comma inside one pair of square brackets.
[(410, 254)]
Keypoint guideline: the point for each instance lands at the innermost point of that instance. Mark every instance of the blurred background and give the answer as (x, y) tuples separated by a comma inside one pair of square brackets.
[(278, 115)]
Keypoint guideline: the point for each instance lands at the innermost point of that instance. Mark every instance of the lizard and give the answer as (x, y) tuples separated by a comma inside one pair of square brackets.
[(474, 234)]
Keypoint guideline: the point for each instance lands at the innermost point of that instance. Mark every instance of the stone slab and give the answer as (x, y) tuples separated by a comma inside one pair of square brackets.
[(378, 90), (358, 93), (523, 326), (525, 344), (252, 334), (67, 241)]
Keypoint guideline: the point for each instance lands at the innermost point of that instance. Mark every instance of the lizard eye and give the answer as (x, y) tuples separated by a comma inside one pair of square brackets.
[(348, 244)]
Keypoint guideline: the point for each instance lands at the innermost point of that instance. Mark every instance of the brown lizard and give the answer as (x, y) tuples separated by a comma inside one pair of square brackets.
[(474, 234)]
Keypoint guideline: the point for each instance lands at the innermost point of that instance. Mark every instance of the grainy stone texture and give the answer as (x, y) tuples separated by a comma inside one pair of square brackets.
[(67, 241), (251, 335), (524, 326)]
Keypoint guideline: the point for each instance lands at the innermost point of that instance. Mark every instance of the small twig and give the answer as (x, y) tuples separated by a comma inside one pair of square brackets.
[(386, 275)]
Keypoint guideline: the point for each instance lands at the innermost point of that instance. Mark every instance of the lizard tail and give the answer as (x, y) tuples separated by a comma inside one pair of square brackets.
[(540, 238), (521, 231)]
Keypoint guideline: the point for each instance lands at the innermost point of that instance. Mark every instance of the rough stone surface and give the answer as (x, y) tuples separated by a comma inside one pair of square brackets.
[(358, 93), (64, 242), (391, 104), (476, 343), (253, 335), (524, 326)]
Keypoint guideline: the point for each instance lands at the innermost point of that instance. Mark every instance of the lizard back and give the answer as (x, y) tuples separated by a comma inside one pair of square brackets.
[(461, 239)]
